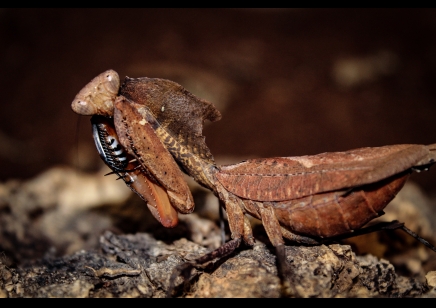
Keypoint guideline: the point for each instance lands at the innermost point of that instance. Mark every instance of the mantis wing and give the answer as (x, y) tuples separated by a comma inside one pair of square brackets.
[(287, 178)]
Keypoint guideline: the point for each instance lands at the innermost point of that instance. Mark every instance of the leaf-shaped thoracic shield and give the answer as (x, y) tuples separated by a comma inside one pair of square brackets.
[(177, 110), (287, 178)]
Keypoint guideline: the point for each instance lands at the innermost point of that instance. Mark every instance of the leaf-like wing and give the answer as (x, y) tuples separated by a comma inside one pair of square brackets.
[(287, 178)]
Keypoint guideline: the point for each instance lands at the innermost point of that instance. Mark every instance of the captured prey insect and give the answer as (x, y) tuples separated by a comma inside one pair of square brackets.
[(306, 199), (138, 179)]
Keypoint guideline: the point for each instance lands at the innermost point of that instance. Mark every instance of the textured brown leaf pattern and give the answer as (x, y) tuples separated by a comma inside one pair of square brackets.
[(140, 140), (177, 110), (333, 213), (285, 178), (304, 199), (132, 173)]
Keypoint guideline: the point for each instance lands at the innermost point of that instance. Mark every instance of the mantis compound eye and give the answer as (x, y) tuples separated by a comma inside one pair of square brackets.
[(83, 107), (98, 96)]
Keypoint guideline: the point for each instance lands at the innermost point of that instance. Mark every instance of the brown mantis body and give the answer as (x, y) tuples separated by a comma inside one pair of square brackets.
[(154, 175), (304, 199), (327, 194)]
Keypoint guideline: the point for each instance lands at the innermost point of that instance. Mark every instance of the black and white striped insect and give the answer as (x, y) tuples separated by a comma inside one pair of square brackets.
[(107, 144)]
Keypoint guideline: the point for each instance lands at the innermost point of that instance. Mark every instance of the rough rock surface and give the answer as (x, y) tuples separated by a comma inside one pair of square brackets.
[(62, 237), (140, 266)]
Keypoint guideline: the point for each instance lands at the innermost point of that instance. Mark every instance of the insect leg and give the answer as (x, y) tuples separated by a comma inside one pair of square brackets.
[(238, 224), (184, 269), (299, 238), (392, 225), (273, 230), (240, 229), (417, 237), (136, 178), (270, 223), (139, 139), (222, 223)]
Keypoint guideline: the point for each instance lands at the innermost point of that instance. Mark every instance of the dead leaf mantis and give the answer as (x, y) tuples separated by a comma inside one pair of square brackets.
[(306, 199)]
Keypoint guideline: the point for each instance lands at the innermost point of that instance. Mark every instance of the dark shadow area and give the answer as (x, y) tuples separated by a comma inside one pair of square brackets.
[(287, 81)]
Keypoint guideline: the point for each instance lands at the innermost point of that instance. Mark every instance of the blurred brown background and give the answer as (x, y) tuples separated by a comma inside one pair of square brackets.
[(287, 81)]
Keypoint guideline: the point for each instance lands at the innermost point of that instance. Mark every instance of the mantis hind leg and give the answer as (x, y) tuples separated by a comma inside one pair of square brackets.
[(283, 264), (392, 225)]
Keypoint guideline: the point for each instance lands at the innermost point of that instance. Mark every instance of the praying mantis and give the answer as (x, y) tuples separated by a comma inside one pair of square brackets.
[(149, 130)]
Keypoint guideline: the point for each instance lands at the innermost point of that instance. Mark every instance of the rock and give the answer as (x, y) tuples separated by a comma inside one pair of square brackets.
[(104, 260)]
